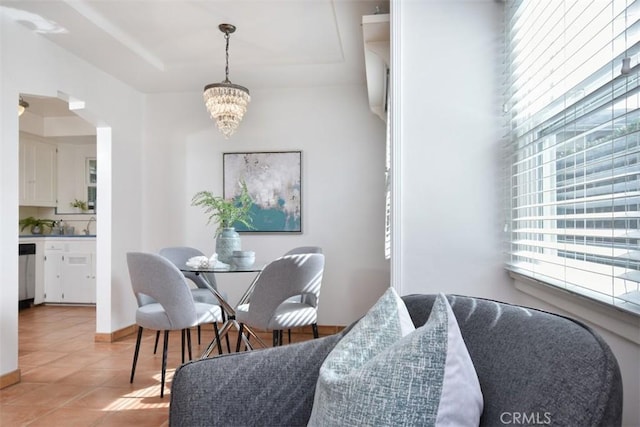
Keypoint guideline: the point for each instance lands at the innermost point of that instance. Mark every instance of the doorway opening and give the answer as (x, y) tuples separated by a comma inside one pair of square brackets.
[(67, 270)]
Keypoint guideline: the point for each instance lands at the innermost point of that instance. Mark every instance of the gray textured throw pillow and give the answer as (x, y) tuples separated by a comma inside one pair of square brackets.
[(378, 376)]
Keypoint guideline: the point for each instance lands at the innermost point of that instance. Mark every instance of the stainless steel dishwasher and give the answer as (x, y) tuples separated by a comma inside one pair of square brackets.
[(26, 274)]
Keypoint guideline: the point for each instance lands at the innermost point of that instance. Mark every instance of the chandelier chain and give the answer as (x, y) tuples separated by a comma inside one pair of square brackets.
[(226, 69)]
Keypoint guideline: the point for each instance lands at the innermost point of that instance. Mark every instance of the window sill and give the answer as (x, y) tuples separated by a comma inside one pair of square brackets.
[(622, 323)]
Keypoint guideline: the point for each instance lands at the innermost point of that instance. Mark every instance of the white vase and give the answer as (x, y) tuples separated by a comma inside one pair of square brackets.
[(227, 241)]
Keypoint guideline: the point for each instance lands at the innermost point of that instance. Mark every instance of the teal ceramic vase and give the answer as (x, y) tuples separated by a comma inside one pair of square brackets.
[(227, 241)]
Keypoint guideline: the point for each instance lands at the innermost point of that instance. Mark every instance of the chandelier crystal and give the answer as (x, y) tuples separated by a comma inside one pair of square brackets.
[(225, 101)]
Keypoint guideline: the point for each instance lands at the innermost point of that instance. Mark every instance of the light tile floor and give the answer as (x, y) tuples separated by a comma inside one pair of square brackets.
[(69, 380)]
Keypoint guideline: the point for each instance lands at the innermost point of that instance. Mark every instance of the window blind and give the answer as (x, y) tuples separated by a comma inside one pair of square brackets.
[(573, 144)]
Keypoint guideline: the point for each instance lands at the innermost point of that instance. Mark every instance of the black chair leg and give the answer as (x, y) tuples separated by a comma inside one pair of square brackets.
[(228, 345), (280, 339), (289, 333), (155, 347), (314, 326), (217, 335), (135, 354), (240, 331), (182, 334), (198, 334), (164, 361), (189, 343), (275, 337), (224, 319)]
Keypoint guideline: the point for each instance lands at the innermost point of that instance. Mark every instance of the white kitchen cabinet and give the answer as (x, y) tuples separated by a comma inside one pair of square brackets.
[(79, 281), (53, 260), (70, 273), (73, 175), (38, 172)]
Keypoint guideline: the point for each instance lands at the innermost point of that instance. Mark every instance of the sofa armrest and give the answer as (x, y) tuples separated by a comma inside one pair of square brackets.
[(269, 387)]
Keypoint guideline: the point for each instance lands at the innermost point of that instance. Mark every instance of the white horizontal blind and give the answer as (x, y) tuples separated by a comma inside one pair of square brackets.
[(574, 146)]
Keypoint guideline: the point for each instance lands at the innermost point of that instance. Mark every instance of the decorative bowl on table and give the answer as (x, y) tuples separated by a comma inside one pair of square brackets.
[(243, 259), (202, 261)]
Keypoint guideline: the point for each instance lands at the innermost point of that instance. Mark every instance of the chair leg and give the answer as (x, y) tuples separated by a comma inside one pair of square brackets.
[(224, 319), (182, 335), (289, 333), (189, 343), (164, 361), (275, 337), (135, 354), (280, 339), (217, 335), (314, 326), (240, 331), (228, 345), (155, 347)]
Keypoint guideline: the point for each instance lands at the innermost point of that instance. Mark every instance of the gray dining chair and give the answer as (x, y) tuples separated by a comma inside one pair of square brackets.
[(272, 308), (179, 255), (305, 250), (174, 309), (300, 250)]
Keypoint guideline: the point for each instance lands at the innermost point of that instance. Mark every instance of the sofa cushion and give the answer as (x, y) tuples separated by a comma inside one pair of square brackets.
[(380, 375)]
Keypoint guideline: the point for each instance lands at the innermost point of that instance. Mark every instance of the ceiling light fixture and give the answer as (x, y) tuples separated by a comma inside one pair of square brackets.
[(226, 101), (22, 105)]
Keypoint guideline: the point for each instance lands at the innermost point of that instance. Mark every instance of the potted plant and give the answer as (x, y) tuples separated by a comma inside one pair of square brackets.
[(36, 224), (226, 212), (79, 204)]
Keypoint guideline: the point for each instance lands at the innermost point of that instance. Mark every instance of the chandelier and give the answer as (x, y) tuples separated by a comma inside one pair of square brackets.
[(22, 105), (226, 102)]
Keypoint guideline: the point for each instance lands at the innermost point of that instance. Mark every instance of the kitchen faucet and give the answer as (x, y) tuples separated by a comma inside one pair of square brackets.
[(87, 229)]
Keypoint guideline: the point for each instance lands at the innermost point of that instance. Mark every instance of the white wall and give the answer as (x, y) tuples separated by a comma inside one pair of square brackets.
[(30, 64), (342, 146), (449, 153), (449, 167)]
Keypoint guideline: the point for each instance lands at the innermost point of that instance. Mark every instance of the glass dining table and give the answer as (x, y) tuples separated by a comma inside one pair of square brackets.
[(229, 310)]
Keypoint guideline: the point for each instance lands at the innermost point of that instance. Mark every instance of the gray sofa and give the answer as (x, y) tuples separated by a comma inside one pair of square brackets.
[(534, 368)]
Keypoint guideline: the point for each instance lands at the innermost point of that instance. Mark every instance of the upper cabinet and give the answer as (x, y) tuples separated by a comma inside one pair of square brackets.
[(77, 177), (377, 56), (38, 172), (57, 157)]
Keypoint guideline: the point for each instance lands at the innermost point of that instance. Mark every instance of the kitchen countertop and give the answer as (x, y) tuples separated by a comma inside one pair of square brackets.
[(57, 236)]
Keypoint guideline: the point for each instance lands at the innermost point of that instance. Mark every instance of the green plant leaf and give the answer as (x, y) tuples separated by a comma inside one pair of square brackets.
[(226, 212)]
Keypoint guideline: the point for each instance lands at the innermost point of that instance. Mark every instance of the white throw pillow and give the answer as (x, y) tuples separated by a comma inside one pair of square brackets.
[(378, 376)]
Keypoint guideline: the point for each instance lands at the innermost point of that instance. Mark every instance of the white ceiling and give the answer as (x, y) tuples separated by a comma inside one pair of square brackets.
[(175, 45)]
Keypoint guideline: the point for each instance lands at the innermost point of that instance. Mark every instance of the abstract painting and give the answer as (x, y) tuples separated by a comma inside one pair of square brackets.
[(274, 183)]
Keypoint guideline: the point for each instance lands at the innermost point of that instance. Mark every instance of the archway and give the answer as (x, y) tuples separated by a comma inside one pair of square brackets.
[(66, 123)]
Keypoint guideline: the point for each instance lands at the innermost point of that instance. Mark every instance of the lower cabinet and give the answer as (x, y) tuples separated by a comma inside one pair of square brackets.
[(69, 271), (53, 260)]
